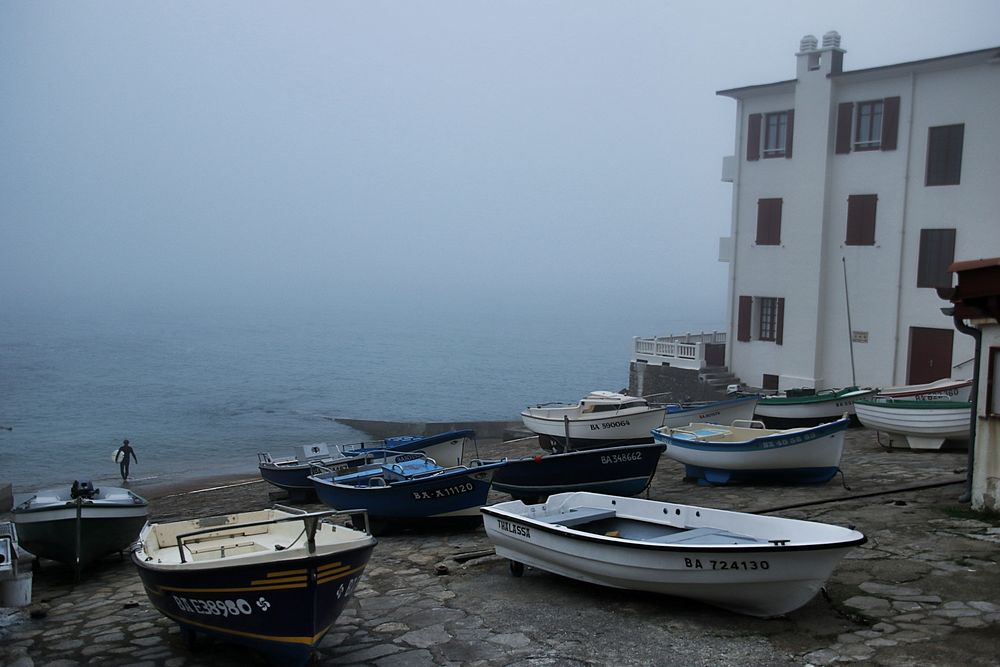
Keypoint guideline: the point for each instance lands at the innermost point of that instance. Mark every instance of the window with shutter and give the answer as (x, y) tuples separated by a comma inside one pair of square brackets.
[(861, 219), (769, 221), (845, 113), (743, 322), (944, 154), (753, 137), (937, 252)]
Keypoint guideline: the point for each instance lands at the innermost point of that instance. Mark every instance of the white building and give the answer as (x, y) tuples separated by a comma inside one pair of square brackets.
[(890, 173)]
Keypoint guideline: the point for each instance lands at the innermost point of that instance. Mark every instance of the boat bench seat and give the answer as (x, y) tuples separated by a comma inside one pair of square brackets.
[(703, 536), (580, 515)]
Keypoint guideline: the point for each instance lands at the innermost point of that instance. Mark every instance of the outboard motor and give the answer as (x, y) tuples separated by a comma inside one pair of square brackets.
[(83, 490)]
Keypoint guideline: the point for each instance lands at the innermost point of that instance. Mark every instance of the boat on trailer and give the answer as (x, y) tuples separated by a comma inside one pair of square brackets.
[(746, 451), (623, 470), (923, 424), (292, 473), (274, 580), (79, 524), (808, 407), (599, 419), (750, 564)]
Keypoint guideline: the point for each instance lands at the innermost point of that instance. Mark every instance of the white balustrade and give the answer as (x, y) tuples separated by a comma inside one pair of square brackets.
[(684, 351)]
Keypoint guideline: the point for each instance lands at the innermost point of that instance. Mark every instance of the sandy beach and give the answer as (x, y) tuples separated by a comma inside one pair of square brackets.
[(924, 589)]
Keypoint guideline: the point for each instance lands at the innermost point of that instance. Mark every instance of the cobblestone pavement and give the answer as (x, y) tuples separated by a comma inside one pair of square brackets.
[(924, 589)]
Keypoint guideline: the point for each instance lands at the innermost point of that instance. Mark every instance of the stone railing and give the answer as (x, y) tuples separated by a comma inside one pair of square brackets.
[(684, 351)]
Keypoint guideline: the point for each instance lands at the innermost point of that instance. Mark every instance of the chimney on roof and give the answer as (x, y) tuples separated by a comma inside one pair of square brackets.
[(829, 59)]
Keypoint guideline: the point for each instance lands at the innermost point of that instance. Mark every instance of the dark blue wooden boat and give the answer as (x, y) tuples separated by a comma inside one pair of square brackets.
[(275, 580), (292, 473), (408, 487), (622, 470)]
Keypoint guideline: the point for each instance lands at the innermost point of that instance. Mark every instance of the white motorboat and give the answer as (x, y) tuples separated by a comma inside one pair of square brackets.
[(714, 412), (946, 389), (924, 424), (808, 407), (599, 419), (751, 564), (717, 454)]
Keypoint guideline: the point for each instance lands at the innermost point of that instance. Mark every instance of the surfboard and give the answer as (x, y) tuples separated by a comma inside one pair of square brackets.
[(114, 455)]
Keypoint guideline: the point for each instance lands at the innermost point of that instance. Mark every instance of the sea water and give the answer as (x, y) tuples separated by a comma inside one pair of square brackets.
[(200, 393)]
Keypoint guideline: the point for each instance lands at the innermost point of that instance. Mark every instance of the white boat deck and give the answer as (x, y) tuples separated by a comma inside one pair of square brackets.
[(645, 531)]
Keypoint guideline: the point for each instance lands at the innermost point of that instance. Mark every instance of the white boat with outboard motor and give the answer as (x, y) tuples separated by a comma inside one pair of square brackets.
[(750, 564)]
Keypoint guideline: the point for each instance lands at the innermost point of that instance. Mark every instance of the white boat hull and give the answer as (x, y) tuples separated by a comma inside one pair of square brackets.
[(784, 412), (720, 412), (594, 430), (939, 390), (772, 567), (923, 424)]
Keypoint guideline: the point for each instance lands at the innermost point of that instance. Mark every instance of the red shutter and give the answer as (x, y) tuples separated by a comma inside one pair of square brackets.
[(861, 219), (743, 323), (753, 137), (845, 114), (779, 322), (890, 123), (788, 133)]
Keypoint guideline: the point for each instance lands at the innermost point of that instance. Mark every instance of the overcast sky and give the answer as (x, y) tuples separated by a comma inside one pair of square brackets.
[(562, 152)]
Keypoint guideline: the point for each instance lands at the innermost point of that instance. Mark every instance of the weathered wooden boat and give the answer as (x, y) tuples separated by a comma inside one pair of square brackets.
[(275, 580), (923, 424), (405, 487), (80, 524), (746, 451), (714, 412), (623, 470), (599, 419), (807, 407), (292, 473), (946, 389), (751, 564)]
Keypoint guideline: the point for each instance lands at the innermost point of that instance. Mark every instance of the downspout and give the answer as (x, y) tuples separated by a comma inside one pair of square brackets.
[(977, 335), (902, 233)]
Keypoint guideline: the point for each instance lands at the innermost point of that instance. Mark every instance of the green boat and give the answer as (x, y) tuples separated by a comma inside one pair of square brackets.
[(80, 524)]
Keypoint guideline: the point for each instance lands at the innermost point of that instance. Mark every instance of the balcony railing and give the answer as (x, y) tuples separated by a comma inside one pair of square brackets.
[(684, 351)]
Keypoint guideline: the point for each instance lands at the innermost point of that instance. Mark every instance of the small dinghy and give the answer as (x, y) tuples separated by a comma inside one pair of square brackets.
[(923, 424), (274, 580), (947, 389), (808, 407), (620, 470), (717, 454), (751, 564), (292, 473), (80, 524), (406, 487)]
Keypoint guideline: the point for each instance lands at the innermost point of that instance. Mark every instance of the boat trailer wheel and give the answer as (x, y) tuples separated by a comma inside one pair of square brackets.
[(516, 568)]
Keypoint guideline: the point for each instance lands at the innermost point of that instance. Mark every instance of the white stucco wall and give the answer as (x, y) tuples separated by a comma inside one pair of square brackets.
[(807, 268), (986, 470)]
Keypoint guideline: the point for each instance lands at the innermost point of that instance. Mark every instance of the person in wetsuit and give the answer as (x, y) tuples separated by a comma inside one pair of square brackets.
[(125, 454)]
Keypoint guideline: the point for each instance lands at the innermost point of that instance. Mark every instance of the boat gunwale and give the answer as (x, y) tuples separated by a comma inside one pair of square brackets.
[(842, 394), (574, 534), (801, 436)]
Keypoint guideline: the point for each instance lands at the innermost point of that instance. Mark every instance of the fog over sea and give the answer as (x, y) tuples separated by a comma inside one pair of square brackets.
[(200, 393)]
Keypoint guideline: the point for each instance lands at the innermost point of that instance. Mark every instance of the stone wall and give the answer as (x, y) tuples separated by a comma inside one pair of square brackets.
[(680, 383)]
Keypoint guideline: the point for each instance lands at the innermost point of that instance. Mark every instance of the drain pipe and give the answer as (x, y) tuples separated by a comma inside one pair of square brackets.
[(977, 335)]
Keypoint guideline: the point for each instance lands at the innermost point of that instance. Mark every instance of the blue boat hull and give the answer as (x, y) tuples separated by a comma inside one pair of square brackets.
[(448, 494), (621, 470), (282, 610)]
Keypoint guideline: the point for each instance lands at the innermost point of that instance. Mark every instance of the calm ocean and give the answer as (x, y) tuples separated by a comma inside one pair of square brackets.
[(201, 395)]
